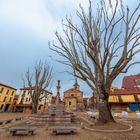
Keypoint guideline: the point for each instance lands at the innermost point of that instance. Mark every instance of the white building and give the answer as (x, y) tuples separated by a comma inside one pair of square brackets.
[(24, 103)]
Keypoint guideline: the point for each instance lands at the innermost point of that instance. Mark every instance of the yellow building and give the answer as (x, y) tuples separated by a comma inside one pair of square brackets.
[(128, 97), (7, 94), (123, 99), (73, 98)]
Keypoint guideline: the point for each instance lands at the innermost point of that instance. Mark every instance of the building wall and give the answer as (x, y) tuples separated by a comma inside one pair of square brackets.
[(124, 98), (14, 103), (113, 99), (119, 107), (25, 99), (74, 93), (27, 110), (128, 98), (131, 82), (75, 97), (71, 103), (6, 97), (121, 101)]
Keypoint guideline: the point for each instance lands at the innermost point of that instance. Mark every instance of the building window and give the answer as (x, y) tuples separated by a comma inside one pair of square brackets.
[(39, 108), (69, 103), (120, 98), (1, 107), (24, 91), (29, 92), (4, 99), (10, 99), (136, 98), (23, 95), (7, 92), (1, 90), (26, 99), (12, 93), (72, 95)]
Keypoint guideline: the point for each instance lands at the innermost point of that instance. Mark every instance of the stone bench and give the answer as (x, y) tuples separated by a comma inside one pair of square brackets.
[(63, 129), (30, 129)]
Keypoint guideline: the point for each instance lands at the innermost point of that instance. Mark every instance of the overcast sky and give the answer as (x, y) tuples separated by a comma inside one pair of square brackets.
[(26, 26)]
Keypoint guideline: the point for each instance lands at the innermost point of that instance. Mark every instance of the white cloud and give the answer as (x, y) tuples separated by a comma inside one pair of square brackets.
[(42, 17)]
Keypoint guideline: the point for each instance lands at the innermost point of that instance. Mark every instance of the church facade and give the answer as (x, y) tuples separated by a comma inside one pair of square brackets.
[(73, 98)]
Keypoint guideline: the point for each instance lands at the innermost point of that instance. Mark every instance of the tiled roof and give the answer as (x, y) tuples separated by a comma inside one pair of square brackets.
[(7, 86), (124, 92), (129, 82)]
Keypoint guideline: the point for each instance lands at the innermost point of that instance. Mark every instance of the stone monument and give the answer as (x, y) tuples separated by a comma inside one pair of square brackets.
[(56, 114)]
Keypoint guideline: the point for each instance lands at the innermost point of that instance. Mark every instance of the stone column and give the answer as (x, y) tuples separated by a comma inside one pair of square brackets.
[(58, 92)]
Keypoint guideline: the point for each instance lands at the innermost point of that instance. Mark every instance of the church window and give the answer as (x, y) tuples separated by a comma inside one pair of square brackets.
[(69, 103)]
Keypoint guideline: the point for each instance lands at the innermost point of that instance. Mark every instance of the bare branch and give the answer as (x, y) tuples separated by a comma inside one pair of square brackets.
[(38, 82)]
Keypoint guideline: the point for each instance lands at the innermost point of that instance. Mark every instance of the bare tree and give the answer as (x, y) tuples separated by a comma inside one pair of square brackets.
[(101, 47), (37, 83)]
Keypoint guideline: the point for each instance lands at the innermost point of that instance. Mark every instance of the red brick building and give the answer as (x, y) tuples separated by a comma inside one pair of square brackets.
[(131, 82)]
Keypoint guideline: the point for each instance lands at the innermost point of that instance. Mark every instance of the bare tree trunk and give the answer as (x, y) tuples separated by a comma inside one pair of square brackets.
[(105, 114), (34, 108), (83, 46), (37, 83)]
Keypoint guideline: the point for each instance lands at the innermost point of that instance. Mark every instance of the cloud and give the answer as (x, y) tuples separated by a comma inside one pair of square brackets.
[(26, 26), (42, 17)]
